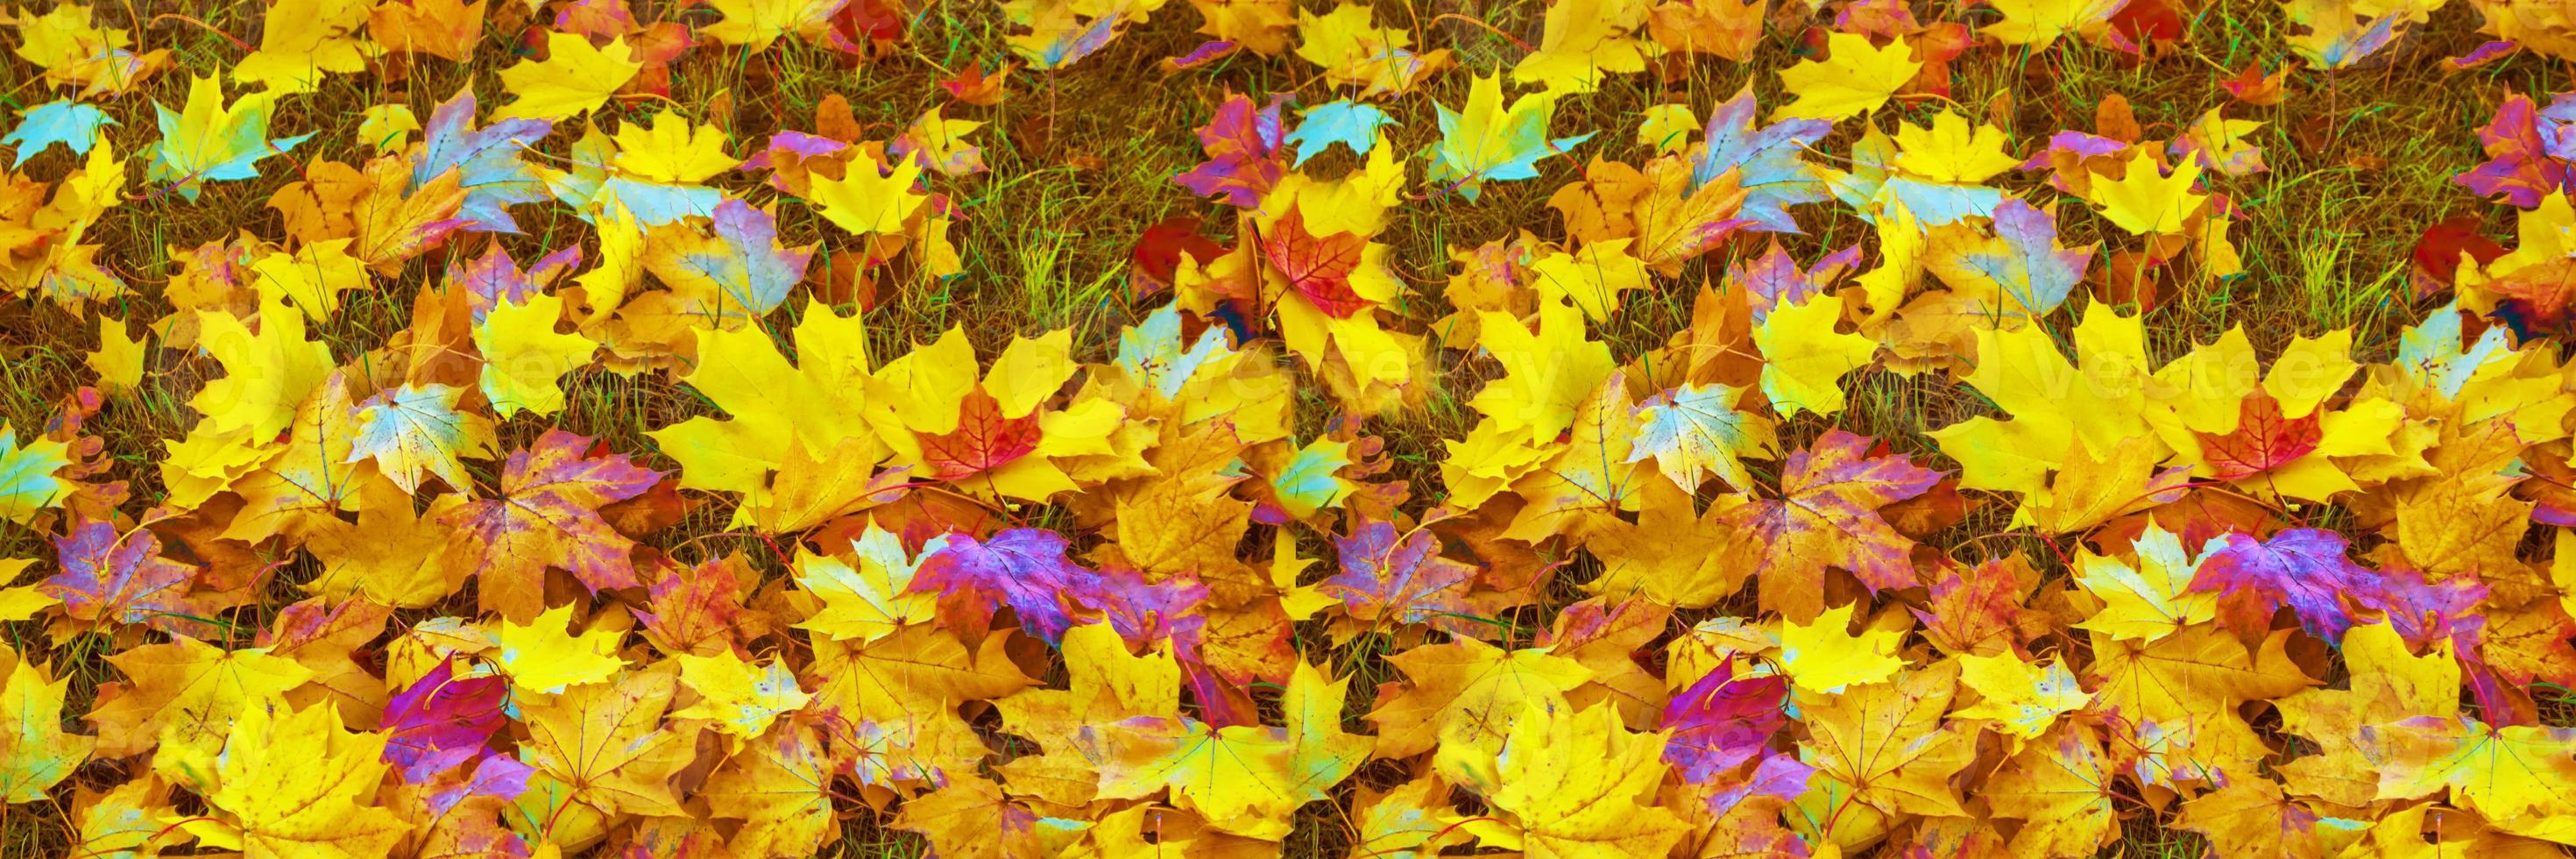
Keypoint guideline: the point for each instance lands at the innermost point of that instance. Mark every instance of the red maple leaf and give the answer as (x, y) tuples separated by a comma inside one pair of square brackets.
[(2438, 251), (1319, 268), (1157, 257), (2264, 439), (983, 440)]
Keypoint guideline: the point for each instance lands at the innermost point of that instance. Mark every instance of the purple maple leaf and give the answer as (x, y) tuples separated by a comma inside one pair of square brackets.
[(2423, 612), (2034, 272), (1405, 581), (493, 176), (1144, 612), (1722, 721), (499, 776), (1768, 161), (441, 720), (1735, 726), (126, 580), (2519, 169), (1242, 146), (1024, 568), (1774, 278), (494, 278), (2303, 569), (750, 267)]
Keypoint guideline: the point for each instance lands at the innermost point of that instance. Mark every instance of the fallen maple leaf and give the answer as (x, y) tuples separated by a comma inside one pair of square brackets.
[(1826, 516), (1023, 568), (575, 78), (35, 754), (547, 517), (120, 577)]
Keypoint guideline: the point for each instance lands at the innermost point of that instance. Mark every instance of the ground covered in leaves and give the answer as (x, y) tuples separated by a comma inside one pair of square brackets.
[(1286, 427)]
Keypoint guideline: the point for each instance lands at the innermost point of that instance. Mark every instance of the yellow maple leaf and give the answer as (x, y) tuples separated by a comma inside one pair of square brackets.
[(1355, 51), (391, 555), (1901, 244), (2101, 398), (2039, 23), (1483, 141), (266, 375), (74, 51), (1245, 779), (1856, 77), (1949, 151), (304, 39), (740, 699), (192, 687), (2147, 200), (2388, 684), (35, 754), (924, 672), (416, 429), (1696, 430), (938, 143), (313, 477), (781, 788), (1570, 784), (758, 23), (120, 356), (524, 357), (2197, 675), (1592, 277), (1469, 692), (1591, 480), (1880, 751), (2023, 698), (1667, 128), (312, 278), (448, 29), (1825, 657), (21, 602), (207, 140), (388, 127), (2148, 598), (1260, 26), (866, 600), (866, 202), (1806, 358), (2251, 817), (297, 783), (1547, 372), (971, 816), (27, 481), (670, 149), (601, 745), (819, 401), (2090, 490), (2502, 773), (574, 79), (2060, 787), (1585, 41), (543, 657)]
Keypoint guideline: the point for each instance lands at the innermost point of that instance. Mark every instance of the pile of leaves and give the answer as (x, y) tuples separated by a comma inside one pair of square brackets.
[(1171, 588)]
